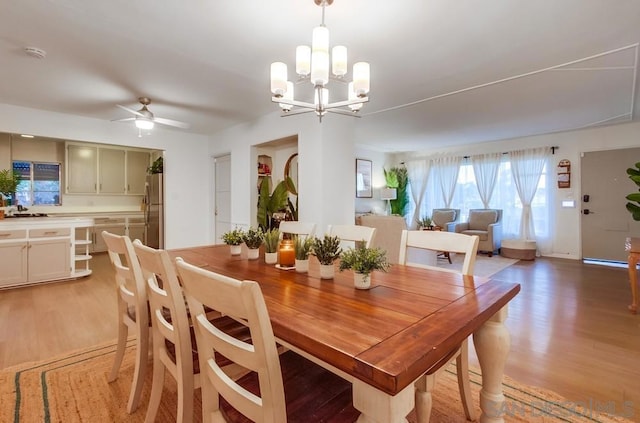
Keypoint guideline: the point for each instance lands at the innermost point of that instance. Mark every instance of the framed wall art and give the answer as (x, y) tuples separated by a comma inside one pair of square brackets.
[(364, 170)]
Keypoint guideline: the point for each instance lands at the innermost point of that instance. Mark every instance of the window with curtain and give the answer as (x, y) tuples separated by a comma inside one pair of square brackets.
[(505, 197), (39, 183)]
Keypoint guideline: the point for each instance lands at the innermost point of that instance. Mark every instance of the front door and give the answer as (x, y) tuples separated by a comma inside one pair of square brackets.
[(606, 223)]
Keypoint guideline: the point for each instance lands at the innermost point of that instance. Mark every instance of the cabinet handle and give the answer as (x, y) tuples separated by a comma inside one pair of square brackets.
[(51, 232)]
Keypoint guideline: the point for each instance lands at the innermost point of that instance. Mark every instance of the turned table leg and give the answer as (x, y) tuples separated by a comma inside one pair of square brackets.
[(492, 342)]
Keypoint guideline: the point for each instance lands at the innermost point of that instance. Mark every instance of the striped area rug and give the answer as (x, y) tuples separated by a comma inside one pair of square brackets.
[(74, 388)]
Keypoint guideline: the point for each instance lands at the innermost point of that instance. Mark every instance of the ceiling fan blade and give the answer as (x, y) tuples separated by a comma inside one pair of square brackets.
[(123, 119), (171, 122), (135, 112)]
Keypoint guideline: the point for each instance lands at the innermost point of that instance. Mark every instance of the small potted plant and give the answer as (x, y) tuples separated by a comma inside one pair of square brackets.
[(234, 238), (363, 261), (327, 250), (302, 246), (425, 222), (253, 239), (271, 241)]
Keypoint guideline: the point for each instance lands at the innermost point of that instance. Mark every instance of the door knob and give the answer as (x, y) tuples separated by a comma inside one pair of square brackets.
[(587, 211)]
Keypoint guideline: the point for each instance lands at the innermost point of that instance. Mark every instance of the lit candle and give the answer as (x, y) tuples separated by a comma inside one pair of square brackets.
[(287, 254)]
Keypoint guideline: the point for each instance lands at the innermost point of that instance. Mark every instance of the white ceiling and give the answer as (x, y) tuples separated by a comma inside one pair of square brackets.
[(443, 72)]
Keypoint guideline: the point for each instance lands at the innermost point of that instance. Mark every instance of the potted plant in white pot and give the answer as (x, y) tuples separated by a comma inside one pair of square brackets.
[(234, 238), (363, 261), (302, 247), (327, 250), (253, 239), (271, 241)]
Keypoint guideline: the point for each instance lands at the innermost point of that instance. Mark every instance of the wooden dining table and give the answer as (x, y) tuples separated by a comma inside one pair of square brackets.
[(385, 338)]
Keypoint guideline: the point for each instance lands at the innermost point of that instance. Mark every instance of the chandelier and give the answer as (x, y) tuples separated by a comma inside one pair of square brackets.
[(312, 65)]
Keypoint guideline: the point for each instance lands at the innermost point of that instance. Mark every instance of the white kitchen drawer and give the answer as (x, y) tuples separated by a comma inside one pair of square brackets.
[(13, 234), (48, 233), (109, 220)]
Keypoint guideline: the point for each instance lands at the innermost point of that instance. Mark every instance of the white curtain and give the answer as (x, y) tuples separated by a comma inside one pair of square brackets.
[(447, 169), (485, 168), (418, 172), (526, 168)]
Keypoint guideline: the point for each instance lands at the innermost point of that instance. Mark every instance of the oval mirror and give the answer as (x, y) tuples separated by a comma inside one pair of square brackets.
[(291, 171)]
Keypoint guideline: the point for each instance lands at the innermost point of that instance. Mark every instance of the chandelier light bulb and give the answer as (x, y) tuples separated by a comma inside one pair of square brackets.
[(303, 60), (361, 79), (339, 61), (278, 78), (320, 56)]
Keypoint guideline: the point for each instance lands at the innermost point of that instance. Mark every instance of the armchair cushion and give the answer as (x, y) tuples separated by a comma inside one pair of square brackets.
[(443, 217), (479, 220)]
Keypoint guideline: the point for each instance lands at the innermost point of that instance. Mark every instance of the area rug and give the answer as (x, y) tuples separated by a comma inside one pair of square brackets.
[(485, 265), (74, 388)]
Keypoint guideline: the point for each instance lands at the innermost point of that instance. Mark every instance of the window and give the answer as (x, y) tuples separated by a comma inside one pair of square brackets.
[(39, 183)]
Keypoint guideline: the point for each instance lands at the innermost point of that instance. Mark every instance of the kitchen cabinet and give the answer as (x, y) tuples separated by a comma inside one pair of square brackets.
[(136, 229), (111, 174), (137, 164), (34, 255), (115, 225), (105, 170), (82, 169)]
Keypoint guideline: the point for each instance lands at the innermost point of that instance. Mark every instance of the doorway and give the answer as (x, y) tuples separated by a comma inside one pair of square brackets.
[(222, 196), (606, 223)]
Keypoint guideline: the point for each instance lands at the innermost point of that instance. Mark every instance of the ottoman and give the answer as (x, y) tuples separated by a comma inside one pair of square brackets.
[(521, 249)]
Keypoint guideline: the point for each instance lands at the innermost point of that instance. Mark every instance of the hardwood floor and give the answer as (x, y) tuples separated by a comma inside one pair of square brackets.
[(570, 328)]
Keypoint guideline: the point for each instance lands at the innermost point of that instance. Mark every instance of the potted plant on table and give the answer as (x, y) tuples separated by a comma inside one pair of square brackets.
[(234, 238), (363, 261), (271, 241), (253, 239), (425, 222), (302, 247), (9, 180), (327, 250)]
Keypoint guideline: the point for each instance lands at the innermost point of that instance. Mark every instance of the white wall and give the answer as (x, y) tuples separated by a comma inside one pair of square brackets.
[(326, 165), (186, 170), (566, 241)]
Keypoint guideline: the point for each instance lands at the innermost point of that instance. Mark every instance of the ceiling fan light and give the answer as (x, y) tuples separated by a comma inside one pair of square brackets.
[(143, 123)]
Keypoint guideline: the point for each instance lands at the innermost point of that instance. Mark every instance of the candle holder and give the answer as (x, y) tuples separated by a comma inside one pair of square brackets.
[(286, 254)]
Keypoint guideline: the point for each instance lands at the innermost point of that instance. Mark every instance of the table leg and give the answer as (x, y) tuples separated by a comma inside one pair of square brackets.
[(376, 406), (492, 342), (633, 280)]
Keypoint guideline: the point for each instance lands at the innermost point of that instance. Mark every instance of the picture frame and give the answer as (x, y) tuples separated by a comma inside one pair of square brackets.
[(364, 170)]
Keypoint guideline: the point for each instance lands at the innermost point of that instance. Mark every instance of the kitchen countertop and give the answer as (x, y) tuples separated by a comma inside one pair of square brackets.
[(44, 222)]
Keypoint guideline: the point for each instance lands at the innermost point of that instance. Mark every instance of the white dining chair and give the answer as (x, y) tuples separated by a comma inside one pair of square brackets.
[(173, 348), (297, 228), (133, 314), (353, 233), (457, 243), (311, 391)]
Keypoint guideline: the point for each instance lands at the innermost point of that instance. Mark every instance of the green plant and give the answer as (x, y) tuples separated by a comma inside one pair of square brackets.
[(271, 240), (425, 222), (634, 209), (233, 237), (9, 180), (271, 202), (364, 260), (327, 249), (398, 178), (253, 237), (302, 246), (157, 166)]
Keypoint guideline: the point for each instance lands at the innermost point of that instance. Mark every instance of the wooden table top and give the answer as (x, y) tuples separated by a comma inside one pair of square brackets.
[(386, 336)]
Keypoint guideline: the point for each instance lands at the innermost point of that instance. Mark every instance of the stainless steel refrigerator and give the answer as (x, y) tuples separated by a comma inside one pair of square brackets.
[(154, 211)]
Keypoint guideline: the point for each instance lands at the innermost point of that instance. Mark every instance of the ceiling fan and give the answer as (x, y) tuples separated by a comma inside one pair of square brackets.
[(144, 119)]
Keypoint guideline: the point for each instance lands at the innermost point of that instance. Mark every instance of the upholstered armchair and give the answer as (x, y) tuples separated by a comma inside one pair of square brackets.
[(445, 218), (487, 225)]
